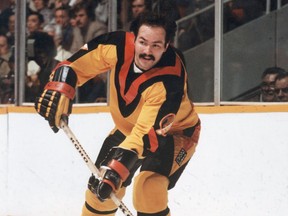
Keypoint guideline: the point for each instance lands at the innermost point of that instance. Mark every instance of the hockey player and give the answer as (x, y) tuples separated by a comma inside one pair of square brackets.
[(156, 126)]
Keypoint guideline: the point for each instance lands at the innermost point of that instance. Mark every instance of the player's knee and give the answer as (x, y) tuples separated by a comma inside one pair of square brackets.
[(150, 195), (94, 207)]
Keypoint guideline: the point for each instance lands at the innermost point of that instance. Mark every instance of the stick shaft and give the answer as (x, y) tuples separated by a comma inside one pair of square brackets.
[(91, 165)]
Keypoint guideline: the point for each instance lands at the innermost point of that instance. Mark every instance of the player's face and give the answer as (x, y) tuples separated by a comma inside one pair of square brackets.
[(149, 46)]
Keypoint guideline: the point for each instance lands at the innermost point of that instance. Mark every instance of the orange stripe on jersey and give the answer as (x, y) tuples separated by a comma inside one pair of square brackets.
[(153, 140), (63, 63), (133, 90)]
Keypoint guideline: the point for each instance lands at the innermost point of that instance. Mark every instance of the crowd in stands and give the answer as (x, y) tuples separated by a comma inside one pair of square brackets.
[(274, 85), (235, 13), (55, 29), (58, 28)]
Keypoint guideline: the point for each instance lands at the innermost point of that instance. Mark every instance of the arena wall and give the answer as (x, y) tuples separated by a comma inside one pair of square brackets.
[(239, 168)]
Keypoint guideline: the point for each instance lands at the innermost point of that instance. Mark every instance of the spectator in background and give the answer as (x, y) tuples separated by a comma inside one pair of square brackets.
[(281, 87), (4, 16), (205, 21), (168, 7), (55, 31), (136, 7), (6, 73), (11, 29), (139, 6), (62, 19), (4, 68), (60, 3), (102, 10), (7, 81), (35, 22), (268, 84), (184, 7), (239, 12), (45, 52), (41, 7), (87, 27), (198, 29), (72, 19), (5, 49)]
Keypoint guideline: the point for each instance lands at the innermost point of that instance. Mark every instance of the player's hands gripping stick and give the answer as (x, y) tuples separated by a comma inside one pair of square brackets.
[(113, 173), (56, 100)]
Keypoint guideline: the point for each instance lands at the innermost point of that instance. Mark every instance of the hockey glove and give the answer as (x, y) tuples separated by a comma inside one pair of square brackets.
[(114, 173), (56, 100)]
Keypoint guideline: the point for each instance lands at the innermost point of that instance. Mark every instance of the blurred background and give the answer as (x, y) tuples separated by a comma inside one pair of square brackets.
[(228, 45)]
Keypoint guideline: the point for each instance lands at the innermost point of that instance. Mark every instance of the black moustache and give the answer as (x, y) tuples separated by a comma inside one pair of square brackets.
[(145, 56)]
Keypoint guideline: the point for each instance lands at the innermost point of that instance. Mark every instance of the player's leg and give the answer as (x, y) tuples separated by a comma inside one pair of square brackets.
[(150, 194), (93, 206), (161, 171)]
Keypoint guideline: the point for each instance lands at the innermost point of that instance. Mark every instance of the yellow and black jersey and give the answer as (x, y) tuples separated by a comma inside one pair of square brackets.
[(145, 106)]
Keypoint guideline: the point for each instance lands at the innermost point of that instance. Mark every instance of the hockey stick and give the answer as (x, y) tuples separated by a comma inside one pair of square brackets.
[(91, 165)]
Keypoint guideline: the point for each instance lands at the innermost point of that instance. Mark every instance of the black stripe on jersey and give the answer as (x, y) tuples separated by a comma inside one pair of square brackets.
[(174, 97), (104, 39), (125, 110), (78, 55), (162, 160), (175, 90)]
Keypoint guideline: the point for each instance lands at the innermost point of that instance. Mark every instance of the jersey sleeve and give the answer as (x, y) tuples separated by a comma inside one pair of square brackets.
[(93, 62), (97, 56)]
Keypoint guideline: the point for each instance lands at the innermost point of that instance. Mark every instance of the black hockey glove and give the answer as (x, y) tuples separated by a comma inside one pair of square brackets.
[(56, 100), (114, 173)]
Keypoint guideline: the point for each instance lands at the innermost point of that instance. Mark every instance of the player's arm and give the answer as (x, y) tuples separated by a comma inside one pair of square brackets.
[(56, 100)]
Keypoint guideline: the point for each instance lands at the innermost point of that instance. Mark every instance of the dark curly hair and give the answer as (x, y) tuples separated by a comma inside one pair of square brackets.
[(155, 19)]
